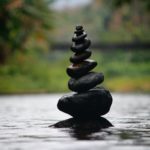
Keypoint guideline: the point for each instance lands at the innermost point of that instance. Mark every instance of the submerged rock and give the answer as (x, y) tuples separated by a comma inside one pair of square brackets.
[(90, 104)]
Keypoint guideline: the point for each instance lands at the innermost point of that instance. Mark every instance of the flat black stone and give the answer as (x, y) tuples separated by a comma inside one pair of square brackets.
[(81, 69), (78, 48), (86, 82), (79, 38), (79, 57), (79, 32), (91, 104), (79, 27)]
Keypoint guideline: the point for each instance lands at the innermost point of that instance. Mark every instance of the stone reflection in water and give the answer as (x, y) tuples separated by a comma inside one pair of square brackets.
[(82, 129)]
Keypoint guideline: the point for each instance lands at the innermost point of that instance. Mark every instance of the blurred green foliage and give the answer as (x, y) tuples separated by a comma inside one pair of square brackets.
[(32, 73), (26, 25), (19, 19)]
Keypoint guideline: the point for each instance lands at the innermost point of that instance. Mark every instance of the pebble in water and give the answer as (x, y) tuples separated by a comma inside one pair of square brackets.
[(89, 101)]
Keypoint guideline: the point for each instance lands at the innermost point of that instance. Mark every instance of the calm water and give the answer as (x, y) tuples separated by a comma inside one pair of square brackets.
[(24, 122)]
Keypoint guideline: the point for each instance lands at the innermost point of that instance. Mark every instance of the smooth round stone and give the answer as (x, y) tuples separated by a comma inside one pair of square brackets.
[(86, 82), (79, 57), (78, 48), (79, 27), (78, 70), (91, 104), (79, 38), (79, 30)]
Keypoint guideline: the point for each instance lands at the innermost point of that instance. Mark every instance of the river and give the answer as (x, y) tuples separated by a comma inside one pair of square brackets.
[(25, 121)]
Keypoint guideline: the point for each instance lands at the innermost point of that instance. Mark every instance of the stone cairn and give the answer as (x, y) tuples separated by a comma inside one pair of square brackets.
[(88, 101)]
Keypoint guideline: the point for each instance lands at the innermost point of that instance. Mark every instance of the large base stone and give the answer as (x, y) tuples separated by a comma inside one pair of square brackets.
[(91, 104)]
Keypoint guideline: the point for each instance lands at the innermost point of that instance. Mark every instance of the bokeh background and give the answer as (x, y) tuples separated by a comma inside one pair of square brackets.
[(35, 36)]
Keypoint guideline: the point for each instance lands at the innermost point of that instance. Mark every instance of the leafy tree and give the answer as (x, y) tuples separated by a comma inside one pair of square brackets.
[(145, 3), (19, 19), (133, 16)]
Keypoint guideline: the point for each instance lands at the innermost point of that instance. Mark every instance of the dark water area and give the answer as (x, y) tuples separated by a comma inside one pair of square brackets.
[(25, 121)]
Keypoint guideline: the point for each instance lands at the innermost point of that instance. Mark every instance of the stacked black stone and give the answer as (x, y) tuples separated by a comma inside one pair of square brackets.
[(89, 101)]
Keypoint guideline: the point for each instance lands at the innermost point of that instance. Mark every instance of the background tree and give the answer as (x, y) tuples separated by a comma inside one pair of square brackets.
[(145, 4), (131, 15), (19, 19)]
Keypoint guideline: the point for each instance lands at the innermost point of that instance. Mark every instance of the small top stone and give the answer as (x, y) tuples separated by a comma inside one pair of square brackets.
[(79, 27)]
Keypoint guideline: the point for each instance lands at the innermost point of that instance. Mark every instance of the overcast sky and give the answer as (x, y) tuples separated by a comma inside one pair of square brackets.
[(60, 4)]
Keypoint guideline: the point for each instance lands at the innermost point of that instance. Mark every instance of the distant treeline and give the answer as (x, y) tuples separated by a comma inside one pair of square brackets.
[(107, 46)]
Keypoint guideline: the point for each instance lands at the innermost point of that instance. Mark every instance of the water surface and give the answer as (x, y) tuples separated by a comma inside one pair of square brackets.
[(24, 122)]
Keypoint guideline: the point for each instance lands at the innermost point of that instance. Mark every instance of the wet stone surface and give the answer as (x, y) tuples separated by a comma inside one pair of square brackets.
[(25, 121), (89, 81), (90, 104), (77, 71)]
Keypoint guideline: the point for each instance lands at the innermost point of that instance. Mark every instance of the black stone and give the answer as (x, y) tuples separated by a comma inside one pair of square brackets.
[(79, 57), (79, 27), (91, 104), (86, 82), (76, 71), (79, 32), (79, 38), (78, 48)]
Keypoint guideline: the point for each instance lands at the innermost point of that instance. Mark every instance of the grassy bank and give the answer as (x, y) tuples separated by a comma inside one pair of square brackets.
[(32, 73)]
